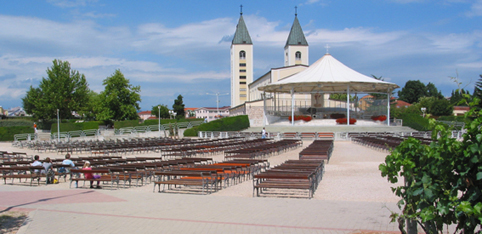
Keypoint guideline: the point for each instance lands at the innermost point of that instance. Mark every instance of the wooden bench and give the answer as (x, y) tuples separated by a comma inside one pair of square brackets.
[(22, 172), (106, 176), (283, 180), (292, 174), (325, 135), (290, 135), (308, 135), (207, 180)]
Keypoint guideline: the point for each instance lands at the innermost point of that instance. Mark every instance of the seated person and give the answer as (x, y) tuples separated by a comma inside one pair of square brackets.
[(90, 175), (67, 161), (36, 163), (48, 170)]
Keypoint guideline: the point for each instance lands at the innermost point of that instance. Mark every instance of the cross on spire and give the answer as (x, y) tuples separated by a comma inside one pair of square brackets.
[(241, 12), (327, 47), (296, 11)]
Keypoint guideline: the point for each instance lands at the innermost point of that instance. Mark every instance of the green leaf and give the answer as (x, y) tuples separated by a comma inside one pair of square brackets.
[(418, 192), (479, 175)]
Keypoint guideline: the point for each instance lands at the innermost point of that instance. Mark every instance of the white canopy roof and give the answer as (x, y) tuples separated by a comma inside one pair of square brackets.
[(329, 75)]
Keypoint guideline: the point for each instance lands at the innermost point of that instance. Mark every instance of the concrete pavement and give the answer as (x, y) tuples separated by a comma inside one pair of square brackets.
[(352, 198)]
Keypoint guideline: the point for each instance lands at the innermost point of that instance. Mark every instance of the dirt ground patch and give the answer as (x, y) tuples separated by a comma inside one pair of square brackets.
[(11, 221)]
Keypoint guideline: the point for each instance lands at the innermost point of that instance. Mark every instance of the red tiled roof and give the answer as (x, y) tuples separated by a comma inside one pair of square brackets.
[(462, 108), (144, 113), (400, 103)]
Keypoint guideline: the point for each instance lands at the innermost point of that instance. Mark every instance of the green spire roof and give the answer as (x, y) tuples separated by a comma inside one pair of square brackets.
[(296, 37), (241, 36)]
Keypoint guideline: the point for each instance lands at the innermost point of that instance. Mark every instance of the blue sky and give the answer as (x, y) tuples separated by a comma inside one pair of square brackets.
[(174, 47)]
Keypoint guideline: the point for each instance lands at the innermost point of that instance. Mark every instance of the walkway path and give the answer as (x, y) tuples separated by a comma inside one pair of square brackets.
[(352, 198)]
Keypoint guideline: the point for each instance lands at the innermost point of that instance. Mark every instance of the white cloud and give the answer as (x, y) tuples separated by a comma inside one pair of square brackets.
[(474, 65), (70, 3), (96, 15), (79, 37), (407, 1), (28, 45), (475, 9), (353, 35)]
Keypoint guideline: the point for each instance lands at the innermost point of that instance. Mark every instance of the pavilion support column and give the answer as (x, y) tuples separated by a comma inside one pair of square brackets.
[(348, 105), (388, 107), (292, 106), (265, 118)]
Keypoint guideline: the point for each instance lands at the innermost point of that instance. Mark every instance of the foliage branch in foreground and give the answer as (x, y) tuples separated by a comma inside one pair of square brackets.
[(442, 181)]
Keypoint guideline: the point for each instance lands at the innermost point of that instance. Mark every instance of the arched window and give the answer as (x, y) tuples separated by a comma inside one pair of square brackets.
[(242, 54), (298, 55)]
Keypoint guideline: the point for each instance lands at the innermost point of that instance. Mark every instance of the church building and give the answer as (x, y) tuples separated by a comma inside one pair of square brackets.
[(245, 96)]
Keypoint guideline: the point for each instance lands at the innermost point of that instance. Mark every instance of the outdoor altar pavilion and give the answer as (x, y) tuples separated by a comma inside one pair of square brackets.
[(328, 75)]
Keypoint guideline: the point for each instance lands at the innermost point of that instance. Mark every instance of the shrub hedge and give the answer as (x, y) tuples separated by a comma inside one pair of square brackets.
[(134, 123), (415, 121), (16, 122), (234, 123), (7, 133), (67, 127)]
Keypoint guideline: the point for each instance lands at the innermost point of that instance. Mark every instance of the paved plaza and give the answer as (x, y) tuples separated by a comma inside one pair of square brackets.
[(351, 198)]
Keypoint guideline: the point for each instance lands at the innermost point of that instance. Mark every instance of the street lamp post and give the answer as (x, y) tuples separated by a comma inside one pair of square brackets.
[(423, 109), (170, 114), (58, 126), (217, 100), (159, 125)]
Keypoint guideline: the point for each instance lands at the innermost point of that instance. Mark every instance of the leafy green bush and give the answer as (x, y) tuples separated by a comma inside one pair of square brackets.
[(234, 123), (16, 122), (7, 133), (156, 122), (126, 123), (415, 121), (134, 123), (191, 132), (452, 118), (67, 127)]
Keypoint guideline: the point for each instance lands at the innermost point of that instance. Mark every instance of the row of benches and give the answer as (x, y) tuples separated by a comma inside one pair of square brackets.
[(383, 142), (302, 174), (262, 150), (209, 177), (292, 174), (6, 156)]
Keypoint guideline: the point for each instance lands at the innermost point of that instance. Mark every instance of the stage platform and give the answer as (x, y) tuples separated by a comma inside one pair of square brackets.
[(330, 126)]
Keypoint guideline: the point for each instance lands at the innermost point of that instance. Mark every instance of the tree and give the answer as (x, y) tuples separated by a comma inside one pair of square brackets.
[(378, 96), (457, 96), (413, 90), (64, 89), (478, 90), (441, 107), (119, 100), (92, 107), (341, 97), (442, 181), (435, 106), (178, 107), (164, 111), (432, 91)]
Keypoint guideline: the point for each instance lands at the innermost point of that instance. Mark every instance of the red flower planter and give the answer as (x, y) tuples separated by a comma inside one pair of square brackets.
[(301, 117), (344, 120), (380, 118)]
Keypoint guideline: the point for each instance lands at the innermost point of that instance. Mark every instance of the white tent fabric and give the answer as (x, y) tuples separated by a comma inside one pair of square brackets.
[(329, 75)]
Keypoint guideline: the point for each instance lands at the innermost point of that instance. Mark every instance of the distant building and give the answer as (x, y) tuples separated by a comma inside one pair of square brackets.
[(460, 110), (190, 112), (15, 111), (145, 115), (211, 113), (400, 104)]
